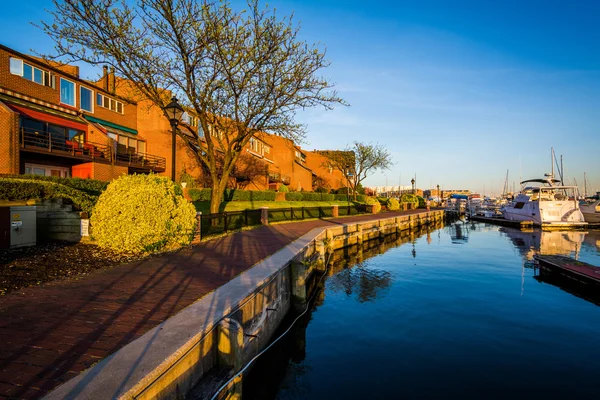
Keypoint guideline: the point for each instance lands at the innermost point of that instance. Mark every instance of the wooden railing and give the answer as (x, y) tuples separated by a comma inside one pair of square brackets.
[(53, 143), (142, 160)]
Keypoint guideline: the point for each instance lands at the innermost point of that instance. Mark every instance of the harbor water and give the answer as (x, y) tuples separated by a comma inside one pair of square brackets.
[(458, 312)]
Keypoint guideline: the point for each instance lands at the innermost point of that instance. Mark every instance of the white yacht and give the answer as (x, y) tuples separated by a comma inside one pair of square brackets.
[(546, 204), (591, 210)]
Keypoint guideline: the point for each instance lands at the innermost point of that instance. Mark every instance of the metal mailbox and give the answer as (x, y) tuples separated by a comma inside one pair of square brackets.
[(17, 226)]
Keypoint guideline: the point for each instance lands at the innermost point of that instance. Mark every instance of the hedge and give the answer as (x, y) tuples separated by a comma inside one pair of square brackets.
[(233, 195), (143, 213), (24, 189), (90, 186), (343, 197), (293, 196)]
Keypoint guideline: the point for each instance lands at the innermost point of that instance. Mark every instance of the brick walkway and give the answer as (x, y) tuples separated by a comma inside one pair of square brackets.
[(50, 333)]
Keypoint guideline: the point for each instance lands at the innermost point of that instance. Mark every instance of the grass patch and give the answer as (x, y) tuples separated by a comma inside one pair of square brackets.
[(204, 206)]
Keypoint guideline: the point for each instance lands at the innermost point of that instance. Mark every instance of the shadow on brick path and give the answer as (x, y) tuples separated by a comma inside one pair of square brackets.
[(51, 333)]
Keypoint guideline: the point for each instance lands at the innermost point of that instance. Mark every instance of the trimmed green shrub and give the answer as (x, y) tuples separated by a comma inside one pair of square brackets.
[(374, 202), (421, 202), (142, 213), (410, 198), (248, 195), (293, 196), (321, 189), (343, 197), (283, 189), (200, 194), (90, 186), (393, 204), (233, 195), (23, 189), (383, 201)]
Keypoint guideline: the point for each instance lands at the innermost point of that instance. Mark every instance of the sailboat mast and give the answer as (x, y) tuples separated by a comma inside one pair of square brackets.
[(552, 162), (584, 185), (562, 171)]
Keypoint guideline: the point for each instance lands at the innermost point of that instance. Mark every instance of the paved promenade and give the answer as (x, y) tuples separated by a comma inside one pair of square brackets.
[(50, 333)]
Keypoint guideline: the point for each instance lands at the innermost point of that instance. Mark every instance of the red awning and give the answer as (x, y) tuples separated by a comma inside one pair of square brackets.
[(53, 119)]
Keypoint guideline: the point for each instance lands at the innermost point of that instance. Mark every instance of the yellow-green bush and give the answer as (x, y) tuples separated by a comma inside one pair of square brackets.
[(142, 213), (373, 202), (393, 204)]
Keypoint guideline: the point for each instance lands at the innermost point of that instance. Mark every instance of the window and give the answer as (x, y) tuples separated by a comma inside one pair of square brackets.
[(85, 99), (46, 170), (122, 146), (67, 92), (109, 103), (16, 66), (132, 146), (76, 136), (37, 75), (141, 147), (28, 72)]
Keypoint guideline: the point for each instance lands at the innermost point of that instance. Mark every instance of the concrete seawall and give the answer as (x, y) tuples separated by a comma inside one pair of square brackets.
[(227, 327)]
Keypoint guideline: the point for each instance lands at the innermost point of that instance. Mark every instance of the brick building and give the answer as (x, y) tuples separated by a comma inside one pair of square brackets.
[(54, 123)]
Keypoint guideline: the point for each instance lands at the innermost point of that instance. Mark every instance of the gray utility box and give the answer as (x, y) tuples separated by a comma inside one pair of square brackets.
[(17, 226)]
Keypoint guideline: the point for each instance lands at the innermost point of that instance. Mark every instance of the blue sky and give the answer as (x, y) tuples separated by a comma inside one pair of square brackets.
[(458, 91)]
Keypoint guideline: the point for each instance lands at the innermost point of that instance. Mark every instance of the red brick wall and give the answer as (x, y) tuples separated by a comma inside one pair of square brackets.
[(283, 153), (9, 141), (317, 162), (155, 128), (36, 91), (107, 172)]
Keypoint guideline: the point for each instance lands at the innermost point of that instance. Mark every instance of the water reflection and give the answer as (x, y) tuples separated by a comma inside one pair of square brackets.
[(441, 303), (566, 243), (532, 242), (349, 273)]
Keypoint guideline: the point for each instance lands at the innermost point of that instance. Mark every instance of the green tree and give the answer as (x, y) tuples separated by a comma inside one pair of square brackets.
[(357, 161), (239, 72)]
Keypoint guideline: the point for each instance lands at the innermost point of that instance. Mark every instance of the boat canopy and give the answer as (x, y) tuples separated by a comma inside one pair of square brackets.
[(546, 181), (459, 196)]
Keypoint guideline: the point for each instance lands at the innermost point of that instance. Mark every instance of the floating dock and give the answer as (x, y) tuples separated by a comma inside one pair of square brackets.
[(503, 222), (561, 266)]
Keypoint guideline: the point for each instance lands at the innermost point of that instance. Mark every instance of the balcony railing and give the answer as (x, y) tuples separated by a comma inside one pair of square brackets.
[(54, 143), (142, 160), (42, 142)]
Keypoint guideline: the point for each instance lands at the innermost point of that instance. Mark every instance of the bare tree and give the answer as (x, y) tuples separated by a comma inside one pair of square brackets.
[(357, 161), (241, 72)]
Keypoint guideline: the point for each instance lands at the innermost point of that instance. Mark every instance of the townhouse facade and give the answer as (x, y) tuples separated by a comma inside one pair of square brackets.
[(54, 123)]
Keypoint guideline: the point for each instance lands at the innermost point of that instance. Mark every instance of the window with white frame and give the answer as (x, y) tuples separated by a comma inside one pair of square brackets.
[(86, 97), (107, 102), (67, 92), (31, 73)]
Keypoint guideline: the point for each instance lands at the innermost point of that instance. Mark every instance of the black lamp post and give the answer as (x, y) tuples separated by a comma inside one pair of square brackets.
[(438, 194), (347, 168), (174, 112), (412, 181)]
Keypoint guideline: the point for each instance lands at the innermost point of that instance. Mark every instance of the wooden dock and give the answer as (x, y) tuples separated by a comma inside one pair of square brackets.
[(569, 268), (503, 222)]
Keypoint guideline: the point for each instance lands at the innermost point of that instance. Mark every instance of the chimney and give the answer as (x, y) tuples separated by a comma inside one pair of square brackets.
[(111, 81), (105, 78)]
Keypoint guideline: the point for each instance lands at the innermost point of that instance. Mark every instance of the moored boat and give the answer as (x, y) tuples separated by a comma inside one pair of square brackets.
[(591, 210), (546, 204)]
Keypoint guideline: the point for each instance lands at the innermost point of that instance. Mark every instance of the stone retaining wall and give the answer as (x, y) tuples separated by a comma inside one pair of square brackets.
[(227, 327)]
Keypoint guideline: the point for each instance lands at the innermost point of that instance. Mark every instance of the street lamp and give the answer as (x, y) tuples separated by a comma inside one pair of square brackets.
[(347, 171), (174, 112), (438, 194), (412, 181)]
